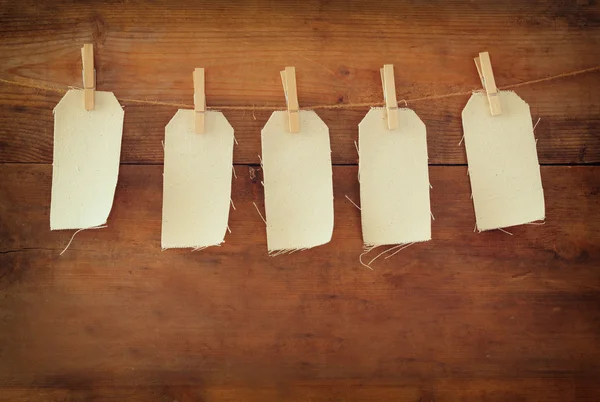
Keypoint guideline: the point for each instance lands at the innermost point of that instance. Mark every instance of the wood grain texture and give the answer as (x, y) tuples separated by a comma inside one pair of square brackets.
[(483, 308), (326, 390), (337, 48), (465, 317)]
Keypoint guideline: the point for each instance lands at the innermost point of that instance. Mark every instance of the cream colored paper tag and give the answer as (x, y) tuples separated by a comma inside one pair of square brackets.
[(503, 163), (196, 181), (87, 149), (394, 179), (298, 182)]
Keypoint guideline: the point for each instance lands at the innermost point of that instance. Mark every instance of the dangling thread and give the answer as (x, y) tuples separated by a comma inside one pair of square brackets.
[(385, 251), (405, 247), (353, 203), (72, 237), (367, 250), (505, 231), (258, 210)]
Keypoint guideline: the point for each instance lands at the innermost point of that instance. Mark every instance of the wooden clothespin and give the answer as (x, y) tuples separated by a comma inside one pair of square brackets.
[(199, 100), (288, 78), (389, 95), (486, 74), (89, 75)]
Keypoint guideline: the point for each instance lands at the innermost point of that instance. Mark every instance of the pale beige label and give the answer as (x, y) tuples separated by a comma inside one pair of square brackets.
[(298, 182), (394, 179), (87, 148), (196, 181), (503, 163)]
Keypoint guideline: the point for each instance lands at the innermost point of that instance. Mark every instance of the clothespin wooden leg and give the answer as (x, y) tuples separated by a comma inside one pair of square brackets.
[(486, 74), (288, 79), (199, 100), (389, 95), (89, 75)]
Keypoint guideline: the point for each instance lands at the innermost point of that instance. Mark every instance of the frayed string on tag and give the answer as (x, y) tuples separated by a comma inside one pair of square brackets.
[(365, 252), (276, 253), (259, 214), (397, 251), (72, 237), (353, 203), (205, 247), (368, 249)]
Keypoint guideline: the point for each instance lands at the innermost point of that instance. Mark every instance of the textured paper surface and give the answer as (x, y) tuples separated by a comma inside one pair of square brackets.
[(298, 182), (503, 164), (394, 179), (87, 148), (196, 180)]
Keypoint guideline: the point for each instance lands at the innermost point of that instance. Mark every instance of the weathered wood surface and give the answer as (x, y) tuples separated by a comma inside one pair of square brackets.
[(325, 390), (148, 52), (465, 317), (468, 311)]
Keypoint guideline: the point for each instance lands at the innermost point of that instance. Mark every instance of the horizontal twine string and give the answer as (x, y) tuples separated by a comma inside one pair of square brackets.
[(62, 91)]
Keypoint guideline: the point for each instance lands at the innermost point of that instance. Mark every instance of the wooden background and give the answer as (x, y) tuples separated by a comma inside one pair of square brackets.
[(465, 317)]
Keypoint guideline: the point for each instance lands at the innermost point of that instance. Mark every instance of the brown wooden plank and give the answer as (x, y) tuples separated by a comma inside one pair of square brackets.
[(115, 310), (337, 48), (441, 390)]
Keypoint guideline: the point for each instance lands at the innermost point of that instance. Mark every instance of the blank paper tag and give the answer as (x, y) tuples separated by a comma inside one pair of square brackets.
[(298, 182), (196, 181), (87, 147), (394, 179), (503, 164)]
